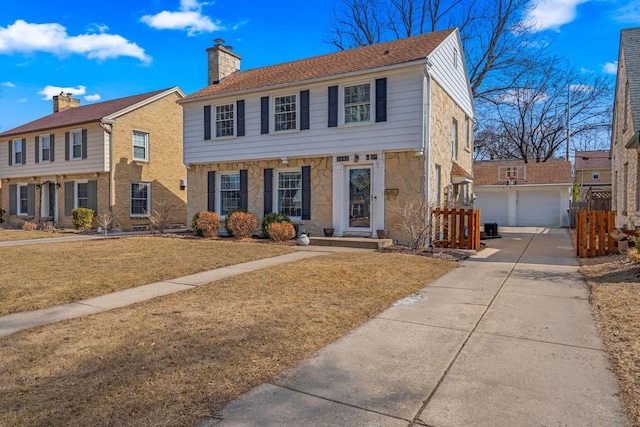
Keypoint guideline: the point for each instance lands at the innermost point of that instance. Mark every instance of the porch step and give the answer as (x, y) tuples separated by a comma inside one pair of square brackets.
[(351, 242)]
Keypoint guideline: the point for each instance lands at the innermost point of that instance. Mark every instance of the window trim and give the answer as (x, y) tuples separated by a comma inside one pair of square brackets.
[(272, 112), (214, 121), (148, 207), (71, 144), (15, 152), (219, 191), (19, 187), (454, 139), (146, 145), (76, 199), (41, 148), (276, 192), (372, 103)]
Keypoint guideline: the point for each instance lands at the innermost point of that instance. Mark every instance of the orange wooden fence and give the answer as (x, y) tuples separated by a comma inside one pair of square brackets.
[(592, 233), (455, 228)]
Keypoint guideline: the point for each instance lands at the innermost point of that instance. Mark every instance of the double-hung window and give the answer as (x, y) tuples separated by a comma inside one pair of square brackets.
[(45, 148), (76, 144), (18, 152), (23, 199), (285, 113), (140, 199), (224, 120), (357, 103), (82, 195), (140, 146), (454, 139), (290, 193), (229, 193)]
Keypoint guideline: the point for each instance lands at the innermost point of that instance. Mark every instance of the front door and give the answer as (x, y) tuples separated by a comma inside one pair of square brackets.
[(359, 198)]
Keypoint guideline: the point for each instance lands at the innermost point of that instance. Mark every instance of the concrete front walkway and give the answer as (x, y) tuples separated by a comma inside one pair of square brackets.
[(506, 339)]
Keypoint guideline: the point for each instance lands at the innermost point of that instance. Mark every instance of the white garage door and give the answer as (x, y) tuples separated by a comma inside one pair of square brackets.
[(538, 208), (493, 207)]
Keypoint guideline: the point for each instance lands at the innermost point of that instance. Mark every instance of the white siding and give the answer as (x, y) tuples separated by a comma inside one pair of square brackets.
[(96, 161), (401, 131)]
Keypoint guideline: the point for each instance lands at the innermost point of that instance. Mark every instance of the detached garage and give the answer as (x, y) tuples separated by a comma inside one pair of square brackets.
[(514, 193)]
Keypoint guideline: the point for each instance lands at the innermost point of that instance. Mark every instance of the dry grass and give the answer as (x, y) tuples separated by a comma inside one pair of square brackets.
[(615, 295), (44, 275), (179, 359), (10, 234)]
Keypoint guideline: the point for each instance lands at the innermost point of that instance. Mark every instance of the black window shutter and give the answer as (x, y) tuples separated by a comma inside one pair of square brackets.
[(68, 198), (84, 143), (244, 190), (304, 109), (13, 199), (66, 145), (381, 100), (92, 196), (207, 122), (264, 115), (52, 146), (10, 152), (211, 191), (306, 192), (268, 191), (37, 149), (24, 151), (240, 117), (31, 199), (333, 106)]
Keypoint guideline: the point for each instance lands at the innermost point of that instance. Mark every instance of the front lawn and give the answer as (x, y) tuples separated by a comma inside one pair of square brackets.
[(7, 234)]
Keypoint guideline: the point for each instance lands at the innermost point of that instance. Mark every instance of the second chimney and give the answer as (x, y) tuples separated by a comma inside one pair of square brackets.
[(222, 62), (64, 102)]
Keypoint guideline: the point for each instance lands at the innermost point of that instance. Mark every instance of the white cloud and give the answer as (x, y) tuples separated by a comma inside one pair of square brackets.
[(25, 37), (629, 13), (517, 96), (610, 67), (189, 18), (581, 87), (551, 14), (22, 100), (586, 70), (49, 91), (95, 97), (8, 84)]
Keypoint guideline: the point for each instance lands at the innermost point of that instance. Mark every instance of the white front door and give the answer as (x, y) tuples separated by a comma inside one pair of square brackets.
[(359, 209)]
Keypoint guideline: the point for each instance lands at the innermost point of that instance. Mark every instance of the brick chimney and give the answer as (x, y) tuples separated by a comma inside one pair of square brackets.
[(222, 62), (64, 102)]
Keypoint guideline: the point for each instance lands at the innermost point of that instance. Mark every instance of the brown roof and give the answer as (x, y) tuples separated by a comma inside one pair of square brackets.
[(79, 115), (550, 172), (592, 160), (458, 170), (346, 61)]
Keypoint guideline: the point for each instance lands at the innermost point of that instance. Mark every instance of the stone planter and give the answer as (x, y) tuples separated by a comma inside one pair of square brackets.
[(328, 232)]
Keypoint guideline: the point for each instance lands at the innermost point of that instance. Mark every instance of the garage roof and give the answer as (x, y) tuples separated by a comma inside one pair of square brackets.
[(550, 172)]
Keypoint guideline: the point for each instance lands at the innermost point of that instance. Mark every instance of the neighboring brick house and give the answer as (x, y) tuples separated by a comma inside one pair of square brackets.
[(514, 193), (592, 170), (123, 155), (341, 140), (625, 144)]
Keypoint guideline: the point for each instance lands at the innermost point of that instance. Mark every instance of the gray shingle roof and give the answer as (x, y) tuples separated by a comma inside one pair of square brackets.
[(630, 45)]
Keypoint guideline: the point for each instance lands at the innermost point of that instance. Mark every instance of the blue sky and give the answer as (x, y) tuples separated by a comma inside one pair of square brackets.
[(106, 50)]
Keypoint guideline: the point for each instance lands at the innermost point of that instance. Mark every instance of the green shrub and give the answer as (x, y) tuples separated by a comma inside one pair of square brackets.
[(81, 218), (208, 223), (281, 231), (226, 222), (194, 225), (269, 219), (242, 224)]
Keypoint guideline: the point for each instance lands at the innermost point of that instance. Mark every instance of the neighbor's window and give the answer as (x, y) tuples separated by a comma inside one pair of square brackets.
[(229, 193), (224, 120), (76, 144), (285, 112), (23, 199), (45, 148), (17, 151), (290, 193), (140, 146), (454, 139), (140, 198), (357, 103), (595, 175), (82, 195)]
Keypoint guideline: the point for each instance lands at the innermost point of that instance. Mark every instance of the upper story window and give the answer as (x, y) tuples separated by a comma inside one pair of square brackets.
[(229, 193), (76, 144), (595, 175), (290, 193), (18, 152), (285, 117), (357, 103), (45, 148), (224, 120), (140, 146), (454, 139)]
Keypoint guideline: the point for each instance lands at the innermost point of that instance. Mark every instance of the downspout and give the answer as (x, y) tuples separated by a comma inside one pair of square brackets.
[(426, 139), (108, 128)]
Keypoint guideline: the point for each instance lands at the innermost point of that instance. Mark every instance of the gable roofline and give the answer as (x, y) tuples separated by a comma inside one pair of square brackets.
[(104, 111), (630, 48)]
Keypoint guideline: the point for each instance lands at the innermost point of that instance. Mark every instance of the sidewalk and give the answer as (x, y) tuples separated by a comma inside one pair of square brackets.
[(507, 339)]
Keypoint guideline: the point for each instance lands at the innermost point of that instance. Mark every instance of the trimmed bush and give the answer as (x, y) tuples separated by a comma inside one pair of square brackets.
[(242, 224), (269, 219), (29, 226), (81, 218), (228, 217), (281, 231), (194, 225), (208, 223)]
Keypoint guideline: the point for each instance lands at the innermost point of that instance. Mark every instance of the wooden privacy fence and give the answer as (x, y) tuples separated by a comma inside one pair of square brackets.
[(592, 233), (455, 228)]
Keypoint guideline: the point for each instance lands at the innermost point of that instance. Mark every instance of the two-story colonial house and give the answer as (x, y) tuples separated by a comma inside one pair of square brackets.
[(625, 136), (123, 155), (342, 140)]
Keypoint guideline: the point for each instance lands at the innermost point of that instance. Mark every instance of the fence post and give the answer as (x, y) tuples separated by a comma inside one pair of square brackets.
[(582, 234), (602, 225), (477, 229), (461, 244), (591, 250)]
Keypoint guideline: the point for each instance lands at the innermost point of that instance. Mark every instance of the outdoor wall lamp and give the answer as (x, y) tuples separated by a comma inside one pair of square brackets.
[(356, 158), (58, 185), (285, 160)]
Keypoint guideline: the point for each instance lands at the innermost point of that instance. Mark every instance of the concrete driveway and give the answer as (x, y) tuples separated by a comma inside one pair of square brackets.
[(506, 339)]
